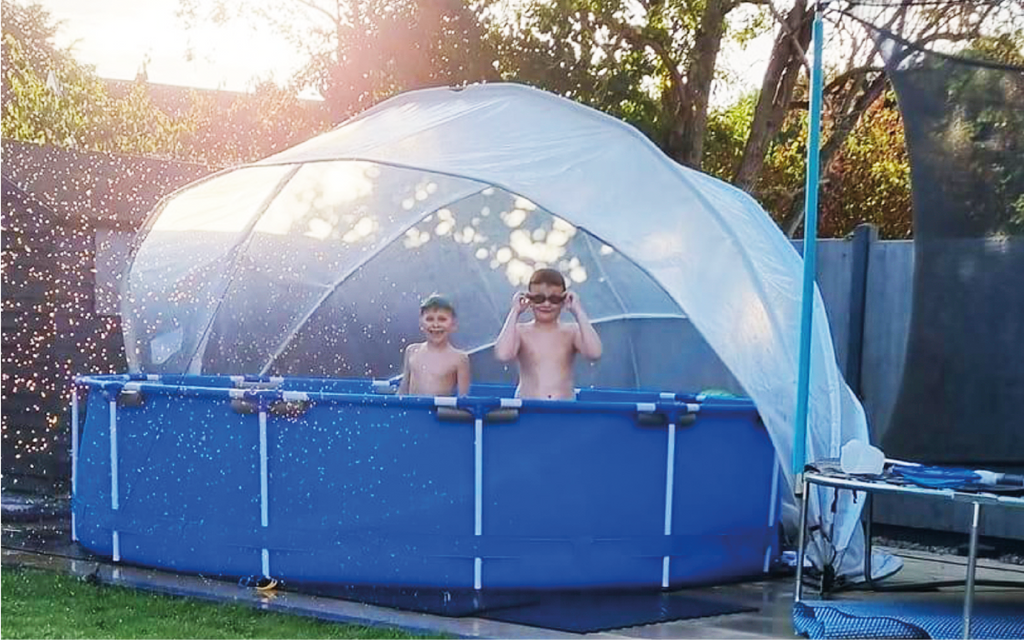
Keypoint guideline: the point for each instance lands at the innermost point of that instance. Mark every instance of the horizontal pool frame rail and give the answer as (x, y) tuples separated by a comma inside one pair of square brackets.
[(682, 404)]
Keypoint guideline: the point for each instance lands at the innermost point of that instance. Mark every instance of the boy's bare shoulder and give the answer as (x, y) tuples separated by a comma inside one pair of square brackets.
[(458, 354)]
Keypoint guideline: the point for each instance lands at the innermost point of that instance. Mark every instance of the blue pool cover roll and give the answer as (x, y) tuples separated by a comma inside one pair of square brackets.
[(908, 619), (959, 479)]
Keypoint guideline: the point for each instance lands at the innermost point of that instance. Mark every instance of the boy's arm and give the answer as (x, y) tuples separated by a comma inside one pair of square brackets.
[(403, 388), (585, 338), (462, 377), (506, 347)]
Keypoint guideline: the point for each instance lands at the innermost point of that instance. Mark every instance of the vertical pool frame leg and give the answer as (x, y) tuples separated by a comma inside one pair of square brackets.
[(972, 560), (114, 499), (74, 458), (478, 496), (802, 542), (670, 480), (771, 512), (264, 489)]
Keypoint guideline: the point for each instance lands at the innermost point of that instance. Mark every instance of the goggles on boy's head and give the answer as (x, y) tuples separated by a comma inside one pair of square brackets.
[(539, 298)]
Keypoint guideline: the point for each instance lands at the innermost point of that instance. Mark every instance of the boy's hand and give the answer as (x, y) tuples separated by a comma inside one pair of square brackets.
[(572, 303), (520, 303)]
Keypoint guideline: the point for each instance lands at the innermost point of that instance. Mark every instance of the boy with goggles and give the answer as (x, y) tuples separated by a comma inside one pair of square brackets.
[(545, 348)]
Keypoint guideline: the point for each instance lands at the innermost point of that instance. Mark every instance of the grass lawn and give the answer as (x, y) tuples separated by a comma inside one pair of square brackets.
[(41, 604)]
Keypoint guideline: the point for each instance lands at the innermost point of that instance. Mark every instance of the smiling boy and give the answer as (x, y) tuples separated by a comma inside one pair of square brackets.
[(546, 347), (435, 367)]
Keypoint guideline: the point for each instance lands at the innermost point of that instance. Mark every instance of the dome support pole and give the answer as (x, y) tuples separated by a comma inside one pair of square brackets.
[(810, 250)]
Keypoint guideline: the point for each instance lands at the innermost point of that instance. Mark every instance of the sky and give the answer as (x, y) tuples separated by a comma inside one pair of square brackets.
[(118, 37)]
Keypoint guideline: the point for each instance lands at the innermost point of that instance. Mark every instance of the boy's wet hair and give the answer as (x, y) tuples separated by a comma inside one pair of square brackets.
[(552, 277), (436, 301)]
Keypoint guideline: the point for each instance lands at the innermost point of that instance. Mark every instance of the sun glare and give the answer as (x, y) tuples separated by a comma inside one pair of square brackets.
[(121, 37)]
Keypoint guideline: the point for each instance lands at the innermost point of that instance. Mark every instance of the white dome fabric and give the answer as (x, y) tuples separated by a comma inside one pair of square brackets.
[(707, 245)]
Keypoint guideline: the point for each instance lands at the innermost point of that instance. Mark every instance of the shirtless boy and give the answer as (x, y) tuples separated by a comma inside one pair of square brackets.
[(546, 347), (435, 367)]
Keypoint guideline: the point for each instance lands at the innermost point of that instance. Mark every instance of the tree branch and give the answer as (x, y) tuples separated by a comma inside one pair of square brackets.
[(636, 37), (841, 79), (840, 132), (776, 94), (794, 40), (319, 9)]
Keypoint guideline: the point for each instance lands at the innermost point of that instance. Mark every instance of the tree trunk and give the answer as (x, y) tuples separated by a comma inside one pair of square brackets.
[(776, 93), (840, 132), (686, 137)]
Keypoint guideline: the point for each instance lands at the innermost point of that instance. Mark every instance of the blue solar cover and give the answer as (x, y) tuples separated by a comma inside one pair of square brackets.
[(907, 619)]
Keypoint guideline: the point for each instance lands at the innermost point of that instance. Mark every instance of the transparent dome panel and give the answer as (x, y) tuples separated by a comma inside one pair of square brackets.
[(479, 251), (324, 225), (181, 268), (640, 352)]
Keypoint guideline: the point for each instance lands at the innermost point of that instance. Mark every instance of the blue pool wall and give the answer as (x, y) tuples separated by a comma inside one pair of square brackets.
[(355, 487)]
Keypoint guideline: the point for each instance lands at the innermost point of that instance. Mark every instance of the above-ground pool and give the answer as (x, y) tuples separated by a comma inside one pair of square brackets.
[(340, 482)]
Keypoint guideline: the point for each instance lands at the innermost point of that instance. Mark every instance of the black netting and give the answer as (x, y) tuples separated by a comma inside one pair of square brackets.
[(963, 382)]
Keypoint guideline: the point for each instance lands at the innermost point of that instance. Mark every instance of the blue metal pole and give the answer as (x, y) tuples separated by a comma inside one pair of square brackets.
[(810, 251)]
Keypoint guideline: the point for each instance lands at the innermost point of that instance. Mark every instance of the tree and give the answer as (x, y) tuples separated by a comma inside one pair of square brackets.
[(870, 178), (230, 129), (50, 98), (860, 82), (652, 63), (649, 62), (775, 98), (359, 52)]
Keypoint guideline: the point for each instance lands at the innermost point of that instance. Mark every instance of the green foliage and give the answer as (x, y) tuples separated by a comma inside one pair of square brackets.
[(751, 25), (47, 605), (614, 55), (1005, 48), (248, 127), (728, 128), (870, 176), (50, 98), (784, 167), (600, 53), (984, 134), (872, 179)]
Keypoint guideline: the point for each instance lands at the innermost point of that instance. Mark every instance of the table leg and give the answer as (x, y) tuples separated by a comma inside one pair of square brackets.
[(869, 507), (972, 559), (801, 544)]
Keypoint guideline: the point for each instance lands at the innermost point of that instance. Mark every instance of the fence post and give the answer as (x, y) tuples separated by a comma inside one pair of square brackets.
[(864, 236)]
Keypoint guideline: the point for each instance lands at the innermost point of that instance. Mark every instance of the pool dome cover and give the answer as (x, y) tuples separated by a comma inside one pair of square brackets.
[(312, 262)]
